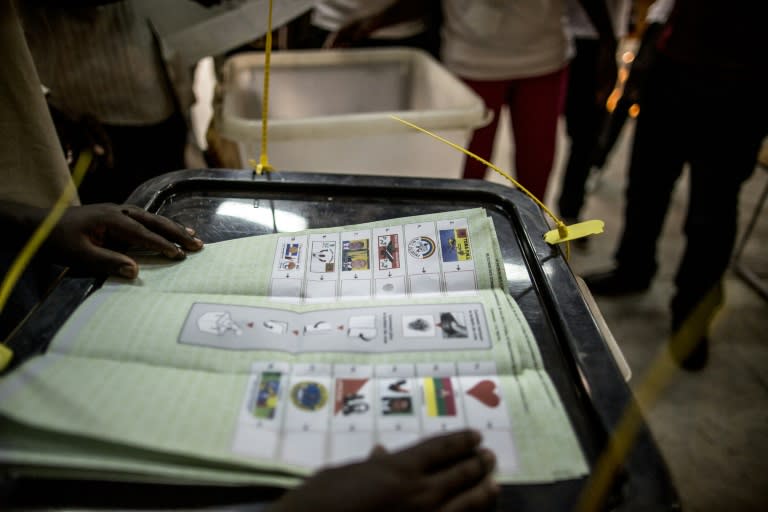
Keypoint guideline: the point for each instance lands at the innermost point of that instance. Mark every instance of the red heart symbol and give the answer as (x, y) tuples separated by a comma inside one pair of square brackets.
[(250, 324), (485, 392)]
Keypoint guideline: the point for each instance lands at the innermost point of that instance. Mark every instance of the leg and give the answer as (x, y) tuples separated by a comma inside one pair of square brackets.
[(656, 163), (583, 118), (492, 93), (535, 105), (724, 158)]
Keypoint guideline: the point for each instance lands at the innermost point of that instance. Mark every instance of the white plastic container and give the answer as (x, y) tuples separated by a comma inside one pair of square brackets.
[(329, 111)]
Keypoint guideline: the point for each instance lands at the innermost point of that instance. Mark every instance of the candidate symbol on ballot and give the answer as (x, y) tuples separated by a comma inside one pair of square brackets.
[(267, 393), (290, 256), (218, 323), (439, 396), (351, 397), (354, 255), (309, 395), (323, 257), (454, 244), (485, 392), (421, 247), (396, 397), (389, 252)]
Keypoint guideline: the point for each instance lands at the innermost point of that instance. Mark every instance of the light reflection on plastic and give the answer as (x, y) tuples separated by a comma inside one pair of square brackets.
[(285, 221), (516, 272)]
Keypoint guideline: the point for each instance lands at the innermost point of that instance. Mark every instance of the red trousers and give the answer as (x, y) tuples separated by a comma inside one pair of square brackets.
[(534, 105)]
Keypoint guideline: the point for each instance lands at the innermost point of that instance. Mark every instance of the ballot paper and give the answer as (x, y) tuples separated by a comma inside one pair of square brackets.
[(262, 359)]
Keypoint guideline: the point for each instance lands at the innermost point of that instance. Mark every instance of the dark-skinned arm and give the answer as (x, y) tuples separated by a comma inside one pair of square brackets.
[(449, 473), (93, 237), (400, 11)]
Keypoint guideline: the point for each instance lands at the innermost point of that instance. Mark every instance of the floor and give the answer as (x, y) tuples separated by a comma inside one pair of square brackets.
[(711, 426)]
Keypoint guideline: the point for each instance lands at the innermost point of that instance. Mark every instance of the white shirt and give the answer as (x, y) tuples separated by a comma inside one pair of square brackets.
[(504, 39)]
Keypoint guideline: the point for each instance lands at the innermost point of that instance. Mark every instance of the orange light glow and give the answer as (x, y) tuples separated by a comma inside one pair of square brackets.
[(623, 75), (613, 99), (634, 110), (627, 57)]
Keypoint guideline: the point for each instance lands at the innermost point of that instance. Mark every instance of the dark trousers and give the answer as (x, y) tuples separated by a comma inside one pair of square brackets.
[(139, 153), (583, 117), (715, 124)]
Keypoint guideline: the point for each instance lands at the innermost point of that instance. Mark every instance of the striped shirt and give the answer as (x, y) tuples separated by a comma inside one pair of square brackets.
[(100, 61)]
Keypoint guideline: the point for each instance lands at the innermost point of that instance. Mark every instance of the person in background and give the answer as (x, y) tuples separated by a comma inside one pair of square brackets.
[(376, 23), (450, 472), (516, 53), (584, 116), (34, 174), (703, 103), (108, 88)]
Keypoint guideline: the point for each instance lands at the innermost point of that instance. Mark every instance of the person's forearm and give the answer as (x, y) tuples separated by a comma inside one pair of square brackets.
[(400, 11)]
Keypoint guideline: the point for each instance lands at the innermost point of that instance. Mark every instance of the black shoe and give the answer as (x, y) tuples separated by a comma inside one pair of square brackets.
[(690, 356), (616, 282)]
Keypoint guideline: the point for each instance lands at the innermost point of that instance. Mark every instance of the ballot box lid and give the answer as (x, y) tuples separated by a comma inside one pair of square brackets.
[(572, 345)]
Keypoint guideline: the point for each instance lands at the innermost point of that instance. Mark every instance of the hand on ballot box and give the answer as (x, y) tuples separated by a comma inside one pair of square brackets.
[(450, 473), (95, 237)]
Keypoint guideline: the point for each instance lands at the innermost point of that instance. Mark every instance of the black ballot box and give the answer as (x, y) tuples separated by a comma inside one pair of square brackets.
[(227, 204)]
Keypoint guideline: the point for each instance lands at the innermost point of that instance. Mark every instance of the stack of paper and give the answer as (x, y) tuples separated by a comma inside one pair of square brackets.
[(261, 359)]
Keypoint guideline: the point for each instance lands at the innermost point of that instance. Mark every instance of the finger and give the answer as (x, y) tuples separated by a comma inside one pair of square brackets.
[(100, 260), (165, 227), (127, 230), (463, 475), (479, 497), (439, 451)]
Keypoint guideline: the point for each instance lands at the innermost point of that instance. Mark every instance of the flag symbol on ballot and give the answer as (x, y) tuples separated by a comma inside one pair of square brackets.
[(439, 396)]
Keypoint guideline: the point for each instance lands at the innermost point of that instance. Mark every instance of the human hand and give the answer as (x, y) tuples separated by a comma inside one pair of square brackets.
[(449, 473), (92, 237)]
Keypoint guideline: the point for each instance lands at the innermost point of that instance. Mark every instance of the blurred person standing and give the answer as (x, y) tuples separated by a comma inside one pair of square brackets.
[(101, 62), (584, 116), (516, 53), (705, 104)]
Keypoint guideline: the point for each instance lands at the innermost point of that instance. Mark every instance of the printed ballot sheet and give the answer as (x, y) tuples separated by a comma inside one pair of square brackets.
[(263, 359)]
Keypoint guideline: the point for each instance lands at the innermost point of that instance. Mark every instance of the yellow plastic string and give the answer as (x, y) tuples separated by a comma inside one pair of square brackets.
[(646, 393), (263, 164), (39, 236), (561, 233)]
